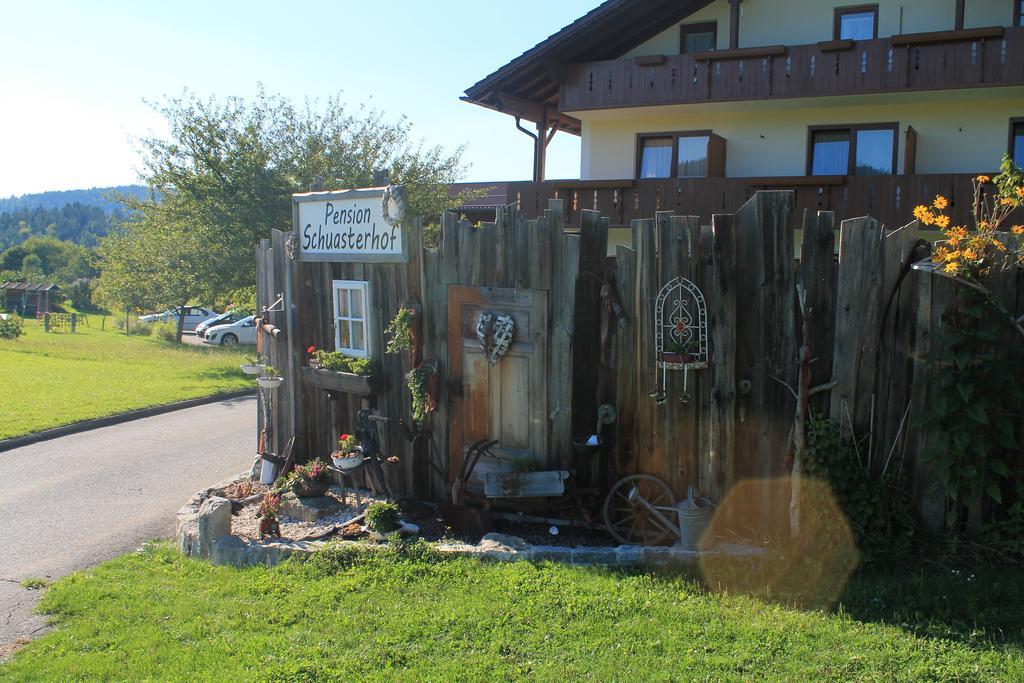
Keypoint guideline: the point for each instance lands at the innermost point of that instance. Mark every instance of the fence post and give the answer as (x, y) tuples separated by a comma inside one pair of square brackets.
[(46, 322), (74, 322)]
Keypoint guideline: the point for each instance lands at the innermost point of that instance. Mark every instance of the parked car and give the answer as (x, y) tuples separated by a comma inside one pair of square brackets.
[(225, 318), (193, 316), (239, 332)]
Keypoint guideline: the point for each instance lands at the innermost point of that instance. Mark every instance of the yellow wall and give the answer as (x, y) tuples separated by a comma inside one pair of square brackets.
[(799, 22), (958, 132)]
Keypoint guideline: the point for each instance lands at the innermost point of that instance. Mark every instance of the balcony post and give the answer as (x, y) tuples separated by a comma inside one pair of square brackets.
[(734, 24), (958, 22)]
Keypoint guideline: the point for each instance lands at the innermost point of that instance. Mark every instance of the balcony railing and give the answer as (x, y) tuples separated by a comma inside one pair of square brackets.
[(927, 61), (891, 199)]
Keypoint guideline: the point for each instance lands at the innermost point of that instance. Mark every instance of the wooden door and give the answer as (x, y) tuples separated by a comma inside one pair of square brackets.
[(506, 402)]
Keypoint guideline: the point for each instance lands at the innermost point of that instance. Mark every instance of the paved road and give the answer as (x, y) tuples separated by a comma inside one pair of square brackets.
[(78, 500)]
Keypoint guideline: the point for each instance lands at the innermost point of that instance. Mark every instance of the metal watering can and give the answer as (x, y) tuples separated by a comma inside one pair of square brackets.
[(694, 517)]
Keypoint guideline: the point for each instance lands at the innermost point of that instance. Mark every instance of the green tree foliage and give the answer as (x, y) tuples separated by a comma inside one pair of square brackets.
[(78, 223), (226, 172), (49, 258)]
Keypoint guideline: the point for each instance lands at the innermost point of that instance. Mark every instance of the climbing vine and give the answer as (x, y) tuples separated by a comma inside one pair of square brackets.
[(399, 330), (976, 394)]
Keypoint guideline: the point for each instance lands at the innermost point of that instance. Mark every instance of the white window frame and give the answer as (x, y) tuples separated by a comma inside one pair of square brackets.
[(363, 288)]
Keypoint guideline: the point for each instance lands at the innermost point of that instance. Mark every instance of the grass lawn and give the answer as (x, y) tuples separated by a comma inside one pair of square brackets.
[(156, 615), (55, 379)]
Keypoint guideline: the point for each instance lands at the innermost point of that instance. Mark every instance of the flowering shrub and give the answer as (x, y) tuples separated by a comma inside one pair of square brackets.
[(347, 443), (312, 470), (972, 255), (269, 506)]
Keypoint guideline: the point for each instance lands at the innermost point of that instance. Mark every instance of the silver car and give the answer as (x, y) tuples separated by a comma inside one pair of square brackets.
[(193, 316)]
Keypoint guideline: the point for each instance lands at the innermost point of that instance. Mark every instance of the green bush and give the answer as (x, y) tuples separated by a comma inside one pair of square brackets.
[(11, 328), (140, 329), (336, 361), (165, 331), (382, 517)]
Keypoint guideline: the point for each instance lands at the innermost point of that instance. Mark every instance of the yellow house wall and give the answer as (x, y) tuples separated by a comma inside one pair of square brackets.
[(958, 132), (799, 22)]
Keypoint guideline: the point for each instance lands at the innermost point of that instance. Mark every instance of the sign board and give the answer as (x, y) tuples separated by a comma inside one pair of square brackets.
[(351, 225)]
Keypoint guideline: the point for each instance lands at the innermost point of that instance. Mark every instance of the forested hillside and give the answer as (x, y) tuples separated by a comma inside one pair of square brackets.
[(79, 216)]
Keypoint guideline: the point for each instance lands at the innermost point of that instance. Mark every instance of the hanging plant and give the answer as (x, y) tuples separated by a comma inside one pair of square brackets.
[(417, 382), (399, 330)]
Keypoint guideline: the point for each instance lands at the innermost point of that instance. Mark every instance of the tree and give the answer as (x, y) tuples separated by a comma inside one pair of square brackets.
[(225, 175)]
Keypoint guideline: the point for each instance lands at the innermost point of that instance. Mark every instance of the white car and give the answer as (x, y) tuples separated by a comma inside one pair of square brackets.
[(225, 318), (193, 316), (239, 332)]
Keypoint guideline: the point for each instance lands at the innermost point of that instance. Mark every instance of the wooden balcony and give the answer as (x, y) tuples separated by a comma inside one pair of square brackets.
[(925, 61), (891, 199)]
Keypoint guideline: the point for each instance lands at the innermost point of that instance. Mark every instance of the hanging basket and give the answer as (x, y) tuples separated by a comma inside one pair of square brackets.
[(270, 383), (251, 368)]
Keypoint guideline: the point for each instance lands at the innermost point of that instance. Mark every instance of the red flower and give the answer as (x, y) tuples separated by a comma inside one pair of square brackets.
[(311, 350)]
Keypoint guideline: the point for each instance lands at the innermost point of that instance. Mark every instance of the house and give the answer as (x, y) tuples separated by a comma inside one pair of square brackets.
[(28, 298), (693, 105)]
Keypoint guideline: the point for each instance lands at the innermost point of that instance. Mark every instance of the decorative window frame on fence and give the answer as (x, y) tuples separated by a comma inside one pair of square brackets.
[(357, 290), (686, 325)]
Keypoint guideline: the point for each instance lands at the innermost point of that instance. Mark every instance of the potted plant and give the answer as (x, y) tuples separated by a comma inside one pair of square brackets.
[(252, 366), (269, 508), (310, 480), (271, 378), (382, 519), (676, 353), (349, 455)]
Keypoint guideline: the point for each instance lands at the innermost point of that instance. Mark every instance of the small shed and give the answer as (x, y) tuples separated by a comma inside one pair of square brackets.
[(27, 298)]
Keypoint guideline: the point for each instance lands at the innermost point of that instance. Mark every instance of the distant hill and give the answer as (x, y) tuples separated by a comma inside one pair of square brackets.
[(80, 216), (96, 196)]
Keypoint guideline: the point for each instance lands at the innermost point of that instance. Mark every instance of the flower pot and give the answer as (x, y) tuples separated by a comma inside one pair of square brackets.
[(314, 363), (251, 368), (269, 382), (269, 526), (673, 358), (304, 487), (347, 461)]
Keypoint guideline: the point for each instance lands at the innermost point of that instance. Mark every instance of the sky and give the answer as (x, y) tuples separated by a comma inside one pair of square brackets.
[(75, 77)]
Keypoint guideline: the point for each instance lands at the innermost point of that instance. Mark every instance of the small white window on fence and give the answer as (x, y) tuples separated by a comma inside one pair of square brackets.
[(351, 318)]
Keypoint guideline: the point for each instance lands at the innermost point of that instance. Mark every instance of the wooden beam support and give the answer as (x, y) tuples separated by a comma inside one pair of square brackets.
[(532, 111), (734, 24), (958, 22)]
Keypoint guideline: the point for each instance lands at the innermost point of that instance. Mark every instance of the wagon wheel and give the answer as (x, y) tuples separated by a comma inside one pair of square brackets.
[(631, 522)]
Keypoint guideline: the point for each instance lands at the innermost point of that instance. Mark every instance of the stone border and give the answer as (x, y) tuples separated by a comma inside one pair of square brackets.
[(86, 425), (203, 530)]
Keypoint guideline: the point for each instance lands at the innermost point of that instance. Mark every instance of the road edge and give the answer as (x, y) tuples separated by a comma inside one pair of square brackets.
[(86, 425)]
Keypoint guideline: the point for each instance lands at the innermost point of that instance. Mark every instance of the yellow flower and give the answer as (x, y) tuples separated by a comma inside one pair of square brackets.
[(1008, 201), (952, 255), (940, 254), (1017, 230), (922, 214), (999, 245), (952, 268), (942, 221), (1020, 191), (983, 179), (958, 233), (970, 254), (940, 202)]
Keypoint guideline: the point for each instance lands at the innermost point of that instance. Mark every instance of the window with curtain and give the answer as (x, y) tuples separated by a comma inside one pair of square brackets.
[(656, 157), (1017, 143), (857, 150), (700, 37), (692, 157), (860, 23), (351, 318), (830, 152)]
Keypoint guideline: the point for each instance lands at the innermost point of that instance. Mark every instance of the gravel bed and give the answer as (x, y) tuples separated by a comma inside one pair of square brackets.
[(247, 525)]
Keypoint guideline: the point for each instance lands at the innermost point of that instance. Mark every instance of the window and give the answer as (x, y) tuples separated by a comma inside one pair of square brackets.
[(1017, 141), (701, 37), (351, 318), (856, 23), (853, 150), (1018, 12), (698, 154)]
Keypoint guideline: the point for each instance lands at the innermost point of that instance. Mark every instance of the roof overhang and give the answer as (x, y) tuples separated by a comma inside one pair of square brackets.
[(528, 86)]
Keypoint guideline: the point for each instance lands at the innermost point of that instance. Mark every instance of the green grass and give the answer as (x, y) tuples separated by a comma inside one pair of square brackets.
[(156, 615), (55, 379)]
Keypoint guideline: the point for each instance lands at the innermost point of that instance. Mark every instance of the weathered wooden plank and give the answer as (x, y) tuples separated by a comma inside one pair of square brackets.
[(720, 470), (646, 377), (565, 261), (625, 365), (857, 310), (817, 276)]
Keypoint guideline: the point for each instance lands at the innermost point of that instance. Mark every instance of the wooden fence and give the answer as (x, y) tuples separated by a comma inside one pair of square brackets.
[(873, 318)]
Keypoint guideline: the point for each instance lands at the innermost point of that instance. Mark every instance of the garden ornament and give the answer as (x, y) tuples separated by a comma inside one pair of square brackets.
[(484, 326), (501, 338)]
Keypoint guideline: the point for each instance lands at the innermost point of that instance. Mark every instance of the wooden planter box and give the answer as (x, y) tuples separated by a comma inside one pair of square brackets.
[(345, 382)]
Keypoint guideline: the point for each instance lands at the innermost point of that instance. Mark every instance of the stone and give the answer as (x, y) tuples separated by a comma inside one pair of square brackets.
[(550, 553), (214, 523), (506, 540), (593, 555), (629, 555), (308, 509)]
